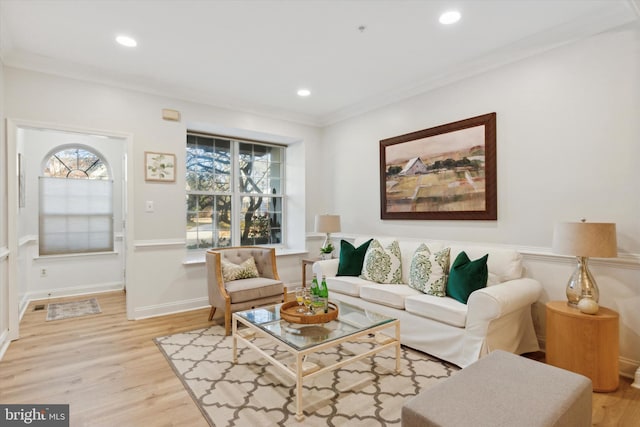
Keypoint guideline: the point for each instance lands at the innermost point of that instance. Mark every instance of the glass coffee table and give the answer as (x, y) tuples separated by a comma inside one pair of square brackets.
[(301, 340)]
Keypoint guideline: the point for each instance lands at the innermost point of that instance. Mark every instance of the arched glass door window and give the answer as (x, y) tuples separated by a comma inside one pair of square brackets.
[(76, 203), (76, 163)]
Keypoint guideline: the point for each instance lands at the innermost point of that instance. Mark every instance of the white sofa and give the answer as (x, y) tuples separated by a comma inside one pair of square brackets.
[(495, 317)]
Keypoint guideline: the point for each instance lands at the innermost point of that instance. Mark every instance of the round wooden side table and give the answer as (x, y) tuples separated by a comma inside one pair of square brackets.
[(587, 344)]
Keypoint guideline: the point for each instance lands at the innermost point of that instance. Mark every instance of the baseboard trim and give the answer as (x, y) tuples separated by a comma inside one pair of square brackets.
[(72, 291), (628, 367), (4, 342), (170, 308), (24, 303)]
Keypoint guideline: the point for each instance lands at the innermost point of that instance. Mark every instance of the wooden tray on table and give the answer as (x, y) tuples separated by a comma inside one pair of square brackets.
[(288, 313)]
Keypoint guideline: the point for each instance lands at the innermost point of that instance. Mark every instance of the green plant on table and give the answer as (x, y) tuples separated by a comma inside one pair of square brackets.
[(327, 249)]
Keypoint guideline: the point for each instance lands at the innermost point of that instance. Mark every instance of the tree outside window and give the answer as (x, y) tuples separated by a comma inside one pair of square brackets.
[(234, 192)]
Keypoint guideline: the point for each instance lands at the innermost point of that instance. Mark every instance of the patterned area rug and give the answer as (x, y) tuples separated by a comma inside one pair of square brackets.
[(66, 310), (253, 392)]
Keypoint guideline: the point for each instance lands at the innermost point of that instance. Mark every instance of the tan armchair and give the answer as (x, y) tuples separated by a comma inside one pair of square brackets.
[(243, 294)]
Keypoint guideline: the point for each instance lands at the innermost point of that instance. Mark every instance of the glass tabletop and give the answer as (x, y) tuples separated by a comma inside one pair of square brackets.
[(351, 320)]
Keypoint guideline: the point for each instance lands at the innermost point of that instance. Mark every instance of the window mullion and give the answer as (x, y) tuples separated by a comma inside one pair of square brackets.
[(235, 193)]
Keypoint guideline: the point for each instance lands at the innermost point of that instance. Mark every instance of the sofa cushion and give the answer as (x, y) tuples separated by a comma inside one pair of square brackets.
[(383, 264), (429, 271), (467, 276), (245, 270), (348, 285), (351, 258), (253, 289), (446, 310), (392, 296)]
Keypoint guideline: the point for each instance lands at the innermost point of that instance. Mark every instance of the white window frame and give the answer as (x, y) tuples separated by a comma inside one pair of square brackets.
[(235, 193)]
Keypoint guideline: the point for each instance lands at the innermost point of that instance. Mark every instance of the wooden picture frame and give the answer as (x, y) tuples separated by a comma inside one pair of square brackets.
[(159, 167), (446, 172)]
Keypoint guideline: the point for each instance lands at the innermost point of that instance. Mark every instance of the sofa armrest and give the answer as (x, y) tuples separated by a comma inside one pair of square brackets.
[(495, 301), (327, 267)]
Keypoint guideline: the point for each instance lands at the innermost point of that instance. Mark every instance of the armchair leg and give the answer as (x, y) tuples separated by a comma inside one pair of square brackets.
[(227, 322), (211, 313)]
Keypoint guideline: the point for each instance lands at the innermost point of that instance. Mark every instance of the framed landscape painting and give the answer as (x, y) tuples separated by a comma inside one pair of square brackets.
[(447, 172)]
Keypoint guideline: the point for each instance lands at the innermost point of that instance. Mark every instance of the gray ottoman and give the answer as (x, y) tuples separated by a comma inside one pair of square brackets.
[(503, 389)]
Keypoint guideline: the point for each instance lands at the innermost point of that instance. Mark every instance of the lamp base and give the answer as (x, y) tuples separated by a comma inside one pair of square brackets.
[(582, 284)]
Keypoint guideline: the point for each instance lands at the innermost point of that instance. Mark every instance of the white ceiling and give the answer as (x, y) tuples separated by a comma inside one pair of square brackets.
[(254, 55)]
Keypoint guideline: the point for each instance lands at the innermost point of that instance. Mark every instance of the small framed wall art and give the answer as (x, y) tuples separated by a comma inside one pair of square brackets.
[(159, 167)]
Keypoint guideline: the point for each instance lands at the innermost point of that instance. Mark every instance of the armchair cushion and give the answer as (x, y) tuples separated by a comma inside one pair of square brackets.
[(253, 289), (245, 270)]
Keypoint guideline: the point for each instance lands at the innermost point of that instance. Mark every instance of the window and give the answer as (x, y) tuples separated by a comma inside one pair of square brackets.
[(234, 192), (76, 204), (76, 163)]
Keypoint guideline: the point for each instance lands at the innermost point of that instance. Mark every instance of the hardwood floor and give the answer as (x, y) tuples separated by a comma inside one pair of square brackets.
[(107, 368), (111, 373)]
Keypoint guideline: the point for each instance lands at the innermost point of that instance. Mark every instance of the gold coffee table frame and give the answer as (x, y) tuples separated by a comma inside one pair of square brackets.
[(352, 324)]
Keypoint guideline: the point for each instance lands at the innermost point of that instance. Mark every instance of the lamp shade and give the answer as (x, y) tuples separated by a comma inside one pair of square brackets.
[(327, 223), (585, 239)]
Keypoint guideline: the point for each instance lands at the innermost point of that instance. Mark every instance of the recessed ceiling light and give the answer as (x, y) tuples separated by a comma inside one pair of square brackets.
[(126, 41), (450, 17), (304, 92)]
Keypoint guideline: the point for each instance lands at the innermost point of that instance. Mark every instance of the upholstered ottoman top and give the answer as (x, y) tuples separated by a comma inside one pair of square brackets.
[(503, 389)]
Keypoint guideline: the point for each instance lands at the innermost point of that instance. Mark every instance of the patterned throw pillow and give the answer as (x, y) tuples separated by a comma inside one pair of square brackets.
[(428, 272), (383, 265), (246, 270)]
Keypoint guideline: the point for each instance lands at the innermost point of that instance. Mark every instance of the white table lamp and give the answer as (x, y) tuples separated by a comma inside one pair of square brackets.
[(327, 224)]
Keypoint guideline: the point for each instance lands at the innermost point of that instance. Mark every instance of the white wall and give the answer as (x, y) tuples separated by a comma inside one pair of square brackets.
[(568, 132), (159, 281), (567, 145)]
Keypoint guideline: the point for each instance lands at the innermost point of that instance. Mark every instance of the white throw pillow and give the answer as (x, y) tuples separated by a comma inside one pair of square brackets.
[(429, 272), (383, 265), (246, 270)]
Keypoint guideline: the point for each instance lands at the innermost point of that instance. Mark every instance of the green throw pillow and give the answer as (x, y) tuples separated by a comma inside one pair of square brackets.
[(428, 272), (467, 276), (351, 258)]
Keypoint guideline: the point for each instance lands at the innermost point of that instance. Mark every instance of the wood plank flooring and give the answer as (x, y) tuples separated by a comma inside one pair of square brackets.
[(107, 368), (112, 374)]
